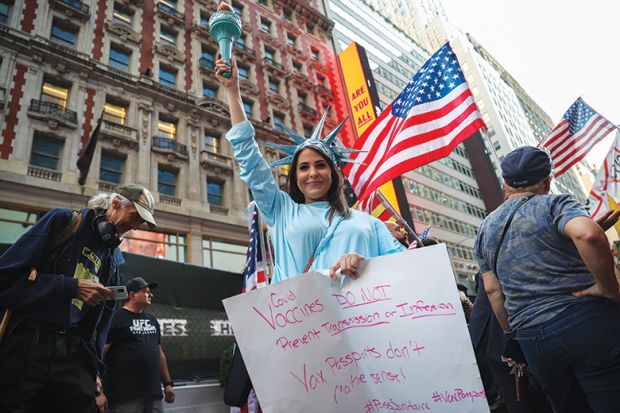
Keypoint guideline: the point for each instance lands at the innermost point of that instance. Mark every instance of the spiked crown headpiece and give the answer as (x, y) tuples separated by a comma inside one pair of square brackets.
[(338, 155)]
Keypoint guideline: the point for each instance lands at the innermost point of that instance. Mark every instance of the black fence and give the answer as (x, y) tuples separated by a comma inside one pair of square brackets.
[(188, 306)]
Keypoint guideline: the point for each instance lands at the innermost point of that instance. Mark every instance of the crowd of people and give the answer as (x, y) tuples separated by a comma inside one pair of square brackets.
[(58, 313), (547, 307)]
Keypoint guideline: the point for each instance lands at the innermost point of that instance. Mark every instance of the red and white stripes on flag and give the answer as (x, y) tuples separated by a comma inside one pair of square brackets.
[(579, 130), (433, 114)]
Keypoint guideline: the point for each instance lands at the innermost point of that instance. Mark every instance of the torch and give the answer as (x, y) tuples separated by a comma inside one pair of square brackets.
[(225, 28)]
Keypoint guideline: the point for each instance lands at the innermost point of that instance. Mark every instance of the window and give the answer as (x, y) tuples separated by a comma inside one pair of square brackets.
[(308, 129), (212, 143), (224, 256), (121, 16), (278, 120), (54, 93), (167, 129), (164, 245), (238, 9), (297, 66), (302, 97), (243, 72), (288, 14), (115, 113), (269, 54), (208, 91), (166, 182), (274, 86), (111, 169), (45, 152), (119, 58), (63, 34), (169, 6), (290, 39), (207, 59), (241, 42), (167, 36), (265, 25), (247, 108), (214, 193), (14, 224), (204, 19), (263, 2), (5, 11), (167, 77)]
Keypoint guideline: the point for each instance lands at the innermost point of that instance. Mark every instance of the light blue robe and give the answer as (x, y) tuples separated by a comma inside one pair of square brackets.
[(296, 229)]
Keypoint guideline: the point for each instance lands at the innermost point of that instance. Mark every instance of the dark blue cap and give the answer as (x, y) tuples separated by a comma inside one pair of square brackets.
[(525, 166)]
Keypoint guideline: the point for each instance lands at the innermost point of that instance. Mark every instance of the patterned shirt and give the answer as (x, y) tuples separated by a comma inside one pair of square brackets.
[(538, 265)]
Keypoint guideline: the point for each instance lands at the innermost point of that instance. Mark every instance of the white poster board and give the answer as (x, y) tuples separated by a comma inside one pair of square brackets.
[(395, 339)]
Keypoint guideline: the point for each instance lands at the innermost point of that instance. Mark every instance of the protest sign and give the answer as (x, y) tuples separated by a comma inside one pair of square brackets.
[(395, 339)]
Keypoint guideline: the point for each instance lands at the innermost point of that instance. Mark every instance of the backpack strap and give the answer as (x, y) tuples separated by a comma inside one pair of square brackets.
[(505, 230), (69, 230)]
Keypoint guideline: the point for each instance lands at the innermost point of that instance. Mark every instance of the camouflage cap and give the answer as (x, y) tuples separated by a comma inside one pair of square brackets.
[(142, 199)]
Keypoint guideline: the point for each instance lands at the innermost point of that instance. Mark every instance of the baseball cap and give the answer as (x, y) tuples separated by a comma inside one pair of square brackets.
[(138, 283), (525, 166), (142, 200)]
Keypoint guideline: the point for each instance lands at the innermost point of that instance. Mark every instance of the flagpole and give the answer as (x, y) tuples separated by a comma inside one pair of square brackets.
[(487, 138), (395, 213)]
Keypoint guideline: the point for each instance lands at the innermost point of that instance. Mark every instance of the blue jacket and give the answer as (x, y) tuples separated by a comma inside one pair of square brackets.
[(51, 299)]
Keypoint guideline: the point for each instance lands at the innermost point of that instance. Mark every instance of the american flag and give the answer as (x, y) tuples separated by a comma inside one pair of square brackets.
[(433, 114), (579, 130), (377, 205), (423, 235), (371, 205), (254, 273)]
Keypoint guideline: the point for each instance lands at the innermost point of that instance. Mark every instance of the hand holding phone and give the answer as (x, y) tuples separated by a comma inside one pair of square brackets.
[(119, 292)]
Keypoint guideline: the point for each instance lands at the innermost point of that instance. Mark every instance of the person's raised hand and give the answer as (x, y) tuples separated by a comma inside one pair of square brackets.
[(92, 293), (348, 264), (221, 66)]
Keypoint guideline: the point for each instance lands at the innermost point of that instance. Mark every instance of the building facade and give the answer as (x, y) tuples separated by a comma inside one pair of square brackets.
[(146, 67), (523, 120), (414, 17), (445, 193), (513, 117)]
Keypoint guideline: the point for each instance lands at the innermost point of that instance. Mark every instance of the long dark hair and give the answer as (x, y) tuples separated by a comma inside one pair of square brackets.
[(335, 194)]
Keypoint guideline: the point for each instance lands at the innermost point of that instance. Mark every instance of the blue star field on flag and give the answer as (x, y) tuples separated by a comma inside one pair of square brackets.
[(577, 115), (438, 77), (424, 234)]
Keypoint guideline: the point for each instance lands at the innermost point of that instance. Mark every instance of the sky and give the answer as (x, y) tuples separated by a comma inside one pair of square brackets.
[(557, 50)]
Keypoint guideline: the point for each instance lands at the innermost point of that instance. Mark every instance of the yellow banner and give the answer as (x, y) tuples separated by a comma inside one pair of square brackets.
[(360, 104)]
